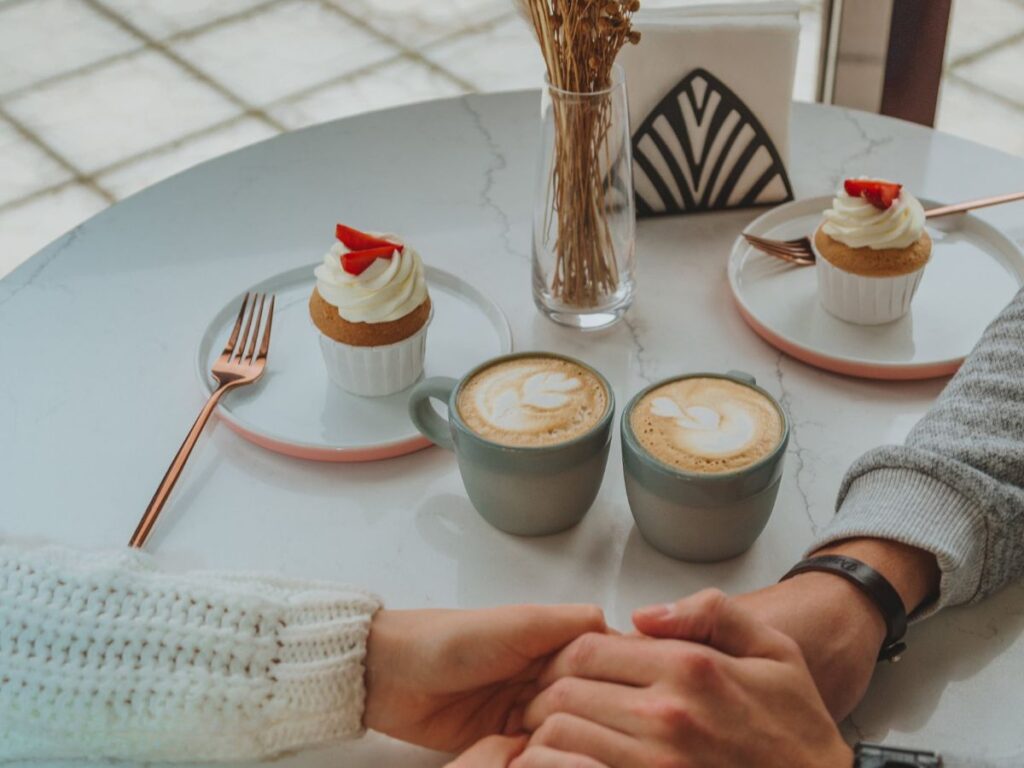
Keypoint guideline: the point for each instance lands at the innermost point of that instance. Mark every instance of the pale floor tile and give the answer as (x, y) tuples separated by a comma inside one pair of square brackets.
[(418, 22), (290, 47), (24, 168), (153, 168), (393, 84), (163, 18), (976, 24), (1001, 71), (25, 229), (506, 57), (42, 38), (119, 110), (966, 112)]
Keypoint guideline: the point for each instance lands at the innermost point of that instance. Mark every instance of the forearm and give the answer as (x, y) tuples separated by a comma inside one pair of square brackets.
[(956, 488), (104, 656)]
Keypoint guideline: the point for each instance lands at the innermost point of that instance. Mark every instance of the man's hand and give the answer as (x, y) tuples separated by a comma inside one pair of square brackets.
[(838, 628), (738, 694), (839, 631), (444, 679)]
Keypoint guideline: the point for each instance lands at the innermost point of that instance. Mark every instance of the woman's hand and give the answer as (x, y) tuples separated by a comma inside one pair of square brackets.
[(738, 694), (444, 679)]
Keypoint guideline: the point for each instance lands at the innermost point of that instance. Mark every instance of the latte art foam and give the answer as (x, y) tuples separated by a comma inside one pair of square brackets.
[(706, 424), (532, 401)]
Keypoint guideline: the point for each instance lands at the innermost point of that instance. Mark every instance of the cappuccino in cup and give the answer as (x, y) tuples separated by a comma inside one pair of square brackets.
[(706, 424), (531, 433), (702, 457), (532, 401)]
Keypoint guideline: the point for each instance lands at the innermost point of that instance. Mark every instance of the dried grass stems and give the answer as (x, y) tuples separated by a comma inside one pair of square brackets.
[(580, 40)]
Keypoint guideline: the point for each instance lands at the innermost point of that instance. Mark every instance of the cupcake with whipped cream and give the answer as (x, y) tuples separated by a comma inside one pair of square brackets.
[(372, 309), (871, 251)]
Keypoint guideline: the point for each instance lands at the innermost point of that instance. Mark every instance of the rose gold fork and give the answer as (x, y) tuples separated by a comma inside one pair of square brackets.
[(236, 367), (799, 251)]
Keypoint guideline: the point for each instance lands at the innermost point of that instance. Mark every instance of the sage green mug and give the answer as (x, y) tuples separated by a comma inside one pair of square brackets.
[(701, 516), (524, 490)]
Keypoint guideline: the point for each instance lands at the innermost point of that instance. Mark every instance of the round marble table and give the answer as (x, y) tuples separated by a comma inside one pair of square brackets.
[(98, 334)]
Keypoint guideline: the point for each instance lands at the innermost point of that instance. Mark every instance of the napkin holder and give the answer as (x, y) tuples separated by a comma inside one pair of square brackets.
[(710, 88)]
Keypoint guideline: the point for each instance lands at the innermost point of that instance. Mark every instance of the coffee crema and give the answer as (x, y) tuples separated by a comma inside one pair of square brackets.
[(706, 424), (532, 401)]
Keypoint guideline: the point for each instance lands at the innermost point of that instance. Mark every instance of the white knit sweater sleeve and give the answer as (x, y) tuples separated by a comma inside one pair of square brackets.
[(105, 656)]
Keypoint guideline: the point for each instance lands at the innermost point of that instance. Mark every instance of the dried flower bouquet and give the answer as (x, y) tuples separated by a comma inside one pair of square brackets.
[(579, 40)]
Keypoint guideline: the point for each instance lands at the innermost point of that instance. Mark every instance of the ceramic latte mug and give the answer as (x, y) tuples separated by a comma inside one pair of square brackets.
[(702, 457), (531, 433)]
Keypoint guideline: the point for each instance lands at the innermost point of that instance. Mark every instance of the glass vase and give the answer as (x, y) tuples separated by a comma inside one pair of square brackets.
[(584, 222)]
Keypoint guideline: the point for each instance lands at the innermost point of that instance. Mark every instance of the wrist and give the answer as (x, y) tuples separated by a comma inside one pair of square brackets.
[(838, 628), (913, 573), (383, 650), (813, 606)]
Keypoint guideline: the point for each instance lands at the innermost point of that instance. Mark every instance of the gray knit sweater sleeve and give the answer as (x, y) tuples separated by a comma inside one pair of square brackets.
[(956, 487)]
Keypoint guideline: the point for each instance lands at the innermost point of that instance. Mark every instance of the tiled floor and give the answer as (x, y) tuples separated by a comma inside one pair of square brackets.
[(982, 94), (140, 89)]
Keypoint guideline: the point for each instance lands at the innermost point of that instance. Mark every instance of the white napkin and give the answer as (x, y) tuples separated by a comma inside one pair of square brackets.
[(709, 99)]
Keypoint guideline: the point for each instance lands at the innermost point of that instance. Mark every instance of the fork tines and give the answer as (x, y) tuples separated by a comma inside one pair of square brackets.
[(251, 312), (794, 251)]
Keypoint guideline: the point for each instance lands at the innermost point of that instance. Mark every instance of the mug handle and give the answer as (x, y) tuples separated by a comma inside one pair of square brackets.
[(746, 378), (427, 420)]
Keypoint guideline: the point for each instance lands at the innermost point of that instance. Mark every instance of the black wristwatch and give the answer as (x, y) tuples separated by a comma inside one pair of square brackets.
[(877, 756)]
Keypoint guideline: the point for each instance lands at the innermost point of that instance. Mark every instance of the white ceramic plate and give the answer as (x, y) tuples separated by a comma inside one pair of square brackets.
[(294, 409), (974, 271)]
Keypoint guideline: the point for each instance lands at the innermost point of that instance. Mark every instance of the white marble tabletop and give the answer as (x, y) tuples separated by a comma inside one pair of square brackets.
[(98, 334)]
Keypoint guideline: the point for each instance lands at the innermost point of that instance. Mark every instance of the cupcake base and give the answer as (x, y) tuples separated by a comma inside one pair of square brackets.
[(871, 262), (326, 318), (865, 300), (378, 370)]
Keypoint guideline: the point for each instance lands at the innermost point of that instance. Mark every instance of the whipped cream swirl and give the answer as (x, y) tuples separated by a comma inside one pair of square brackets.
[(855, 222), (386, 290)]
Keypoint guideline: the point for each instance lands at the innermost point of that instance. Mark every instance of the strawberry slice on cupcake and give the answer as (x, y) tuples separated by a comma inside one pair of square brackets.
[(880, 194), (361, 249)]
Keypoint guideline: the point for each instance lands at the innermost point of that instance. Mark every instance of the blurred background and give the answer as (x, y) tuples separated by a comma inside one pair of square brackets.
[(101, 98)]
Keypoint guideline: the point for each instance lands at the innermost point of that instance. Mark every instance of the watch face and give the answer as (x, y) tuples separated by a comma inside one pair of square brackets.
[(875, 756)]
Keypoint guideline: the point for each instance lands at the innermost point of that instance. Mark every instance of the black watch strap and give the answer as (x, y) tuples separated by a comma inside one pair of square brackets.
[(877, 756), (875, 586)]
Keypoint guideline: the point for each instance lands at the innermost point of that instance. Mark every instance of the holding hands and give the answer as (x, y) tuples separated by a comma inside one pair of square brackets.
[(725, 690), (444, 678)]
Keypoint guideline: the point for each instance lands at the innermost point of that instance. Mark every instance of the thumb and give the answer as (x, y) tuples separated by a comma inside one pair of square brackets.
[(539, 630), (712, 618), (491, 752)]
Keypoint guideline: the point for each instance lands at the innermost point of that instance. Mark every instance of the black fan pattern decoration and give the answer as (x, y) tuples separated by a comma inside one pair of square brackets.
[(702, 149)]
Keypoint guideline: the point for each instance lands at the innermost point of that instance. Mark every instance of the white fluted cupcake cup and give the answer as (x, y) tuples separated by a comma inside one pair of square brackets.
[(862, 299), (376, 371)]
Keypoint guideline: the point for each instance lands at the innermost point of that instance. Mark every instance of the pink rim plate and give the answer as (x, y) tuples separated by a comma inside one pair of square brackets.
[(296, 411), (975, 270)]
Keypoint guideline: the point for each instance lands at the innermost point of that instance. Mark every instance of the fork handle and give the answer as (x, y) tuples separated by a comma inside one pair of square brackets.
[(148, 520), (971, 205)]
